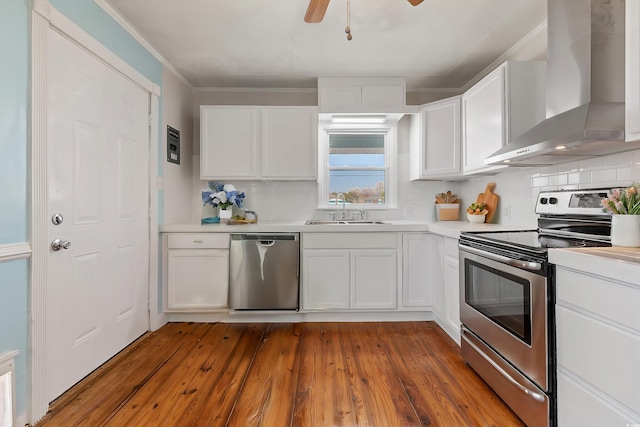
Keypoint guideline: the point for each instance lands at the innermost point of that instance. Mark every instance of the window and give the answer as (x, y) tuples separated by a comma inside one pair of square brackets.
[(357, 163)]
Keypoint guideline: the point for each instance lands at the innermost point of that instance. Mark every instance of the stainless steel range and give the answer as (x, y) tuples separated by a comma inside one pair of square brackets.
[(507, 297)]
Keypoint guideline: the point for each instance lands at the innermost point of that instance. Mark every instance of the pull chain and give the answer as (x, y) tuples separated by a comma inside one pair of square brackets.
[(348, 29)]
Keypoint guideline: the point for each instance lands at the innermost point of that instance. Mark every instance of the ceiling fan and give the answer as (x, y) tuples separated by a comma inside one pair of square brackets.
[(317, 8)]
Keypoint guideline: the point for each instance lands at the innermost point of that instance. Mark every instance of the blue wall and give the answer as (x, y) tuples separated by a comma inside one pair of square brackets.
[(15, 45)]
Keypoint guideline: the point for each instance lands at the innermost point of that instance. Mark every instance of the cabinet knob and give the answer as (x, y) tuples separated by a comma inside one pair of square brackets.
[(197, 241)]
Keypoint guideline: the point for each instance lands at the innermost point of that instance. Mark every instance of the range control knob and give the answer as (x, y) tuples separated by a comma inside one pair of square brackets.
[(553, 200), (543, 200)]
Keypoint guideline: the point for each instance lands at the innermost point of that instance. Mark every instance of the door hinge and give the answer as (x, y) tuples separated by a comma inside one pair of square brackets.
[(150, 119)]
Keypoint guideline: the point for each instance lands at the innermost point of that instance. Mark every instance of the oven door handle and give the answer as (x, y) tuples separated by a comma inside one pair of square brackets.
[(527, 265), (533, 394)]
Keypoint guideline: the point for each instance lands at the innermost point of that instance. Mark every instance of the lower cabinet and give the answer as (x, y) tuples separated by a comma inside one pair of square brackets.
[(421, 270), (598, 348), (349, 271), (449, 316), (197, 271)]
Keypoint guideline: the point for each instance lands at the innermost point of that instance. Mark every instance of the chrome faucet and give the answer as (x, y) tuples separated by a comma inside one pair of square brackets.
[(362, 212), (340, 195)]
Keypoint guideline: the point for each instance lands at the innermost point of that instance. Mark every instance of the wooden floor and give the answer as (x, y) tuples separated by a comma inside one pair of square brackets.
[(301, 374)]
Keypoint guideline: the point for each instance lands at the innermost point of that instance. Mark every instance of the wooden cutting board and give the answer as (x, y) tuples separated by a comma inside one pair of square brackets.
[(490, 200)]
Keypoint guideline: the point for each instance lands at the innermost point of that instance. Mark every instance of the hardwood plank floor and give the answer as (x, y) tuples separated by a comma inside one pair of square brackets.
[(286, 374)]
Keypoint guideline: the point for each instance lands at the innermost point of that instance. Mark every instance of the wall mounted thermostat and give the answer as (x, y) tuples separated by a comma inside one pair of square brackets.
[(173, 145)]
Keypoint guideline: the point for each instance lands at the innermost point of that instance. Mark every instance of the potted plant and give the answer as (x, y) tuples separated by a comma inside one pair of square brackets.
[(624, 206), (224, 196), (477, 213)]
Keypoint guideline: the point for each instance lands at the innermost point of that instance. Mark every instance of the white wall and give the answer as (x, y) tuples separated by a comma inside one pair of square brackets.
[(177, 112)]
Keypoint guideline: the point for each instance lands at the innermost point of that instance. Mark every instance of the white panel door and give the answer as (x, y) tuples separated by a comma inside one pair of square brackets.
[(97, 154)]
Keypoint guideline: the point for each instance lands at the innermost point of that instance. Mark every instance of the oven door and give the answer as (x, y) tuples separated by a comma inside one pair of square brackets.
[(507, 308)]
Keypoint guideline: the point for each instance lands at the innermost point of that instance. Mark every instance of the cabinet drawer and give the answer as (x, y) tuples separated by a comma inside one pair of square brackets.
[(602, 355), (609, 300), (349, 240), (451, 247), (578, 406), (198, 241)]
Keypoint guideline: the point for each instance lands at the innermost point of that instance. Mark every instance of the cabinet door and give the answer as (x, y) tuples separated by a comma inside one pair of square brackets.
[(339, 99), (435, 141), (289, 143), (373, 278), (228, 143), (197, 279), (384, 99), (436, 273), (484, 119), (325, 279), (417, 260), (451, 297)]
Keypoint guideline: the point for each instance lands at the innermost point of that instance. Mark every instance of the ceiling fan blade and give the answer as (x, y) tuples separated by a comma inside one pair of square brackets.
[(415, 2), (316, 10)]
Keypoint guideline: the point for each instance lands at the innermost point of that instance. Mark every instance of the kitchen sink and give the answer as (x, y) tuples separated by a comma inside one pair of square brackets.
[(342, 221)]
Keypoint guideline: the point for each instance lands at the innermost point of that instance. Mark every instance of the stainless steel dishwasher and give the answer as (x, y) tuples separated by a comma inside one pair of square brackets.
[(264, 271)]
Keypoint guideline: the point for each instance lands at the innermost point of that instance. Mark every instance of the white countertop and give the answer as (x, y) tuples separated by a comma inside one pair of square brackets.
[(444, 228), (615, 262)]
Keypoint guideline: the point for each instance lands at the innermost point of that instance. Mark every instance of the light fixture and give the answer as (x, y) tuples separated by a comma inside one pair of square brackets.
[(364, 119), (560, 147), (348, 28)]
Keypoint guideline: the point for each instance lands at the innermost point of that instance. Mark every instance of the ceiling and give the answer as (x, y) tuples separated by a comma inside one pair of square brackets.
[(439, 44)]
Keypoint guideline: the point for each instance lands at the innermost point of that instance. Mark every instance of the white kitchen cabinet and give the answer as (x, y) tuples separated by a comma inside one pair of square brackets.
[(197, 271), (374, 278), (421, 269), (507, 102), (289, 143), (632, 70), (361, 95), (435, 142), (598, 348), (450, 318), (349, 271), (258, 143), (229, 142), (326, 279)]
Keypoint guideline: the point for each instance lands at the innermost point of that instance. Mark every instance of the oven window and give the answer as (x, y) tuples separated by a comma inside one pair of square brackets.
[(503, 298)]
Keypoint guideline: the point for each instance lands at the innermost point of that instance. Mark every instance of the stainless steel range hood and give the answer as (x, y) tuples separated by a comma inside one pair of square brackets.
[(585, 88)]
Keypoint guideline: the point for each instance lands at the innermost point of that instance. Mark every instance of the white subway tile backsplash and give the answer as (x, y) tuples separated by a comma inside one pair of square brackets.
[(541, 181), (574, 178), (590, 164), (625, 174), (517, 188), (558, 179), (616, 160), (571, 167), (604, 176)]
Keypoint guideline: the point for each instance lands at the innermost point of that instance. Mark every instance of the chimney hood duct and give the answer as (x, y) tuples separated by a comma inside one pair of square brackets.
[(585, 88)]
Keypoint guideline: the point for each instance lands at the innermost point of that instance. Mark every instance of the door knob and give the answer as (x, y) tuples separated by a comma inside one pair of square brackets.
[(58, 244)]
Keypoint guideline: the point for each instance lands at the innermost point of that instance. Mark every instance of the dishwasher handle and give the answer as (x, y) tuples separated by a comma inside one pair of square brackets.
[(266, 238)]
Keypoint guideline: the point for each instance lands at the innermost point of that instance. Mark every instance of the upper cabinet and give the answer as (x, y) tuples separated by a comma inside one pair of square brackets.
[(632, 70), (435, 144), (258, 143), (289, 143), (361, 95), (228, 142), (507, 102)]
